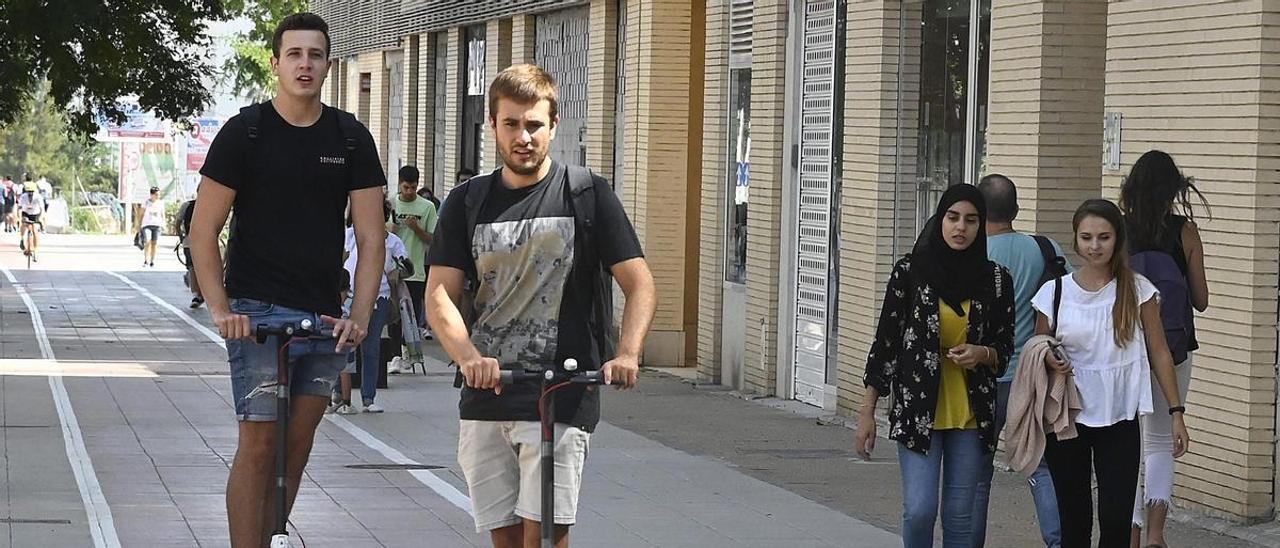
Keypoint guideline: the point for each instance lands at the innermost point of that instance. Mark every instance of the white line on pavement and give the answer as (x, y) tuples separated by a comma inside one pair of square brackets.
[(426, 477), (176, 312), (101, 525)]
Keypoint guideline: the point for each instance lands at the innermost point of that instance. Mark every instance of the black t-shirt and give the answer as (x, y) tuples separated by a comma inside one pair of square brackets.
[(291, 185), (532, 307)]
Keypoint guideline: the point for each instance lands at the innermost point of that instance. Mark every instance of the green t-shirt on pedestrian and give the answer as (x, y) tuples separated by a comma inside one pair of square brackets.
[(425, 213)]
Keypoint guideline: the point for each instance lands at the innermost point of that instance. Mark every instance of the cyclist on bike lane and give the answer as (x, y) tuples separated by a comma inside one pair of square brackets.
[(288, 167), (31, 206), (541, 296)]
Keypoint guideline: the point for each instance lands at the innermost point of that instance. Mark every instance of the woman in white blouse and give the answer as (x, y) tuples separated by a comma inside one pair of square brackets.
[(1108, 321)]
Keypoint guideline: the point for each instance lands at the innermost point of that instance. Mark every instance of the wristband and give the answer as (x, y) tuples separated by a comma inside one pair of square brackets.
[(1178, 409)]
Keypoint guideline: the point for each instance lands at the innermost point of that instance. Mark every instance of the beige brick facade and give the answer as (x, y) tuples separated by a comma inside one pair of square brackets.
[(371, 63), (412, 83), (1208, 99), (764, 212), (715, 140), (497, 56), (663, 152), (870, 170), (1045, 132), (424, 151), (602, 79), (523, 35), (454, 82)]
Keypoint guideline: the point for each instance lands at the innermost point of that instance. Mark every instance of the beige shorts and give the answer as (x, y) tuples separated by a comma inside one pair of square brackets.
[(501, 462)]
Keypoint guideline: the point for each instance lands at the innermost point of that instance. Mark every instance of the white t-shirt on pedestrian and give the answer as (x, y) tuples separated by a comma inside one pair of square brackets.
[(1114, 382), (153, 213), (395, 249)]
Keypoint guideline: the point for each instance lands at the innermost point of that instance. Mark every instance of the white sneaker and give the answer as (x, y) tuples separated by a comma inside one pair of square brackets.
[(373, 408), (333, 407), (395, 366), (345, 409)]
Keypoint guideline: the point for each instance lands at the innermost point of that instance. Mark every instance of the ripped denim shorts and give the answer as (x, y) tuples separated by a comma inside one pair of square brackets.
[(313, 365)]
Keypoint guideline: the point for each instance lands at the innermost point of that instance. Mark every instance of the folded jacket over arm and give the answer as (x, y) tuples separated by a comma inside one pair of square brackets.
[(1041, 401)]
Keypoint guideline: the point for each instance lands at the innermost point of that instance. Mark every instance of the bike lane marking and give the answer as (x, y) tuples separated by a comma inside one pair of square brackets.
[(426, 477), (101, 525)]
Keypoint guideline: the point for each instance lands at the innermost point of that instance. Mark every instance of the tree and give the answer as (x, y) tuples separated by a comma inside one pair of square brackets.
[(92, 52), (40, 143), (249, 67)]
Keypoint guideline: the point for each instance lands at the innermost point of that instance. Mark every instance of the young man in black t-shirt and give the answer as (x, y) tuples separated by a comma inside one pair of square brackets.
[(288, 167), (538, 300)]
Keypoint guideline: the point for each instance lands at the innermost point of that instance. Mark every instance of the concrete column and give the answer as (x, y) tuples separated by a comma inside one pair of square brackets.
[(452, 126), (879, 166), (1207, 98), (666, 152), (523, 37), (497, 56), (1047, 71)]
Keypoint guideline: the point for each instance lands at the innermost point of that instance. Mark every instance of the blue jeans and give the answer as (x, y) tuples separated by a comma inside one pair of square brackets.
[(954, 461), (371, 350), (313, 365), (1042, 492)]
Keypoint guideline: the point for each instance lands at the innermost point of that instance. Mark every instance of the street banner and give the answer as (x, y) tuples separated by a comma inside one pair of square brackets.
[(145, 165)]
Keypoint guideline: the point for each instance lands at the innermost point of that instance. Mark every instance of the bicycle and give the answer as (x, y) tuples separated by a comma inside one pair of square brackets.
[(28, 230), (285, 333), (551, 380)]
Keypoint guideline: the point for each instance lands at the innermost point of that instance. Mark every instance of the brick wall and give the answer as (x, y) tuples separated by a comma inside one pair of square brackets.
[(1197, 80)]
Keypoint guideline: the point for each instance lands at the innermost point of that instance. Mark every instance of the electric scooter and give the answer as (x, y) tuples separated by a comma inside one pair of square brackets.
[(551, 380), (285, 333)]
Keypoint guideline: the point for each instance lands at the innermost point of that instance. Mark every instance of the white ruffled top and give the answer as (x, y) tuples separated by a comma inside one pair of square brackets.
[(1114, 382)]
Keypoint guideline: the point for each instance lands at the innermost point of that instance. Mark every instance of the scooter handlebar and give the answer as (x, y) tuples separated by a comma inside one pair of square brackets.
[(305, 329), (509, 377)]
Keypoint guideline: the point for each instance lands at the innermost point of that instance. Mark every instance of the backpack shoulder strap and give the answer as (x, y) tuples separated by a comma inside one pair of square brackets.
[(1046, 248), (350, 128), (582, 194), (252, 116), (474, 192), (1057, 302)]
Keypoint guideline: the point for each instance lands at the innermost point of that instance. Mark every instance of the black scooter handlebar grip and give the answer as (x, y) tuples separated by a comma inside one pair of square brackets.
[(593, 377), (508, 377)]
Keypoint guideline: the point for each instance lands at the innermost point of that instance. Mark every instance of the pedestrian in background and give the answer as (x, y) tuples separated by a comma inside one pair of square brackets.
[(1028, 259), (371, 348), (1165, 248), (945, 335), (1108, 320), (152, 220)]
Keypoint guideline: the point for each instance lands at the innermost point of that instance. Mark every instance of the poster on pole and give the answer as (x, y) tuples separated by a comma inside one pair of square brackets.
[(145, 165), (197, 142)]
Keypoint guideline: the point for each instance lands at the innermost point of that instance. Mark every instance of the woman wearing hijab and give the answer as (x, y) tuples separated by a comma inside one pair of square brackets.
[(945, 335)]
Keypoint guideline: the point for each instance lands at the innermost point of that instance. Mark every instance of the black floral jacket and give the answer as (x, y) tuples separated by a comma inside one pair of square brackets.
[(905, 362)]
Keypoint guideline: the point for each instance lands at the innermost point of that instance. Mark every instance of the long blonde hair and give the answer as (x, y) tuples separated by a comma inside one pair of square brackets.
[(1124, 312)]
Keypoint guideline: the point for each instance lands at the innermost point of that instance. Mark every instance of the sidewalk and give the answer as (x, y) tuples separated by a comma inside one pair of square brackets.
[(151, 395)]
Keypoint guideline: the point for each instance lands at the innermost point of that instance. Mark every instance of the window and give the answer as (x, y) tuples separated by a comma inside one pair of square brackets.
[(739, 171), (738, 159), (953, 69)]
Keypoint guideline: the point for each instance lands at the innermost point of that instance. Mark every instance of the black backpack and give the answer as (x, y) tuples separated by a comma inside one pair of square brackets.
[(1055, 266), (582, 195), (347, 124)]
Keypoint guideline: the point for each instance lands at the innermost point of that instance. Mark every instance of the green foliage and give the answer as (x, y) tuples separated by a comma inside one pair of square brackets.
[(85, 220), (249, 68), (92, 52), (39, 142)]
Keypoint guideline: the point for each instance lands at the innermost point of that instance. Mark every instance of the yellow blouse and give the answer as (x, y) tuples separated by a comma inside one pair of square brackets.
[(953, 412)]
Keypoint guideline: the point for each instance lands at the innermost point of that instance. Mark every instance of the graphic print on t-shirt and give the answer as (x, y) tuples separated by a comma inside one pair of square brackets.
[(523, 267)]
